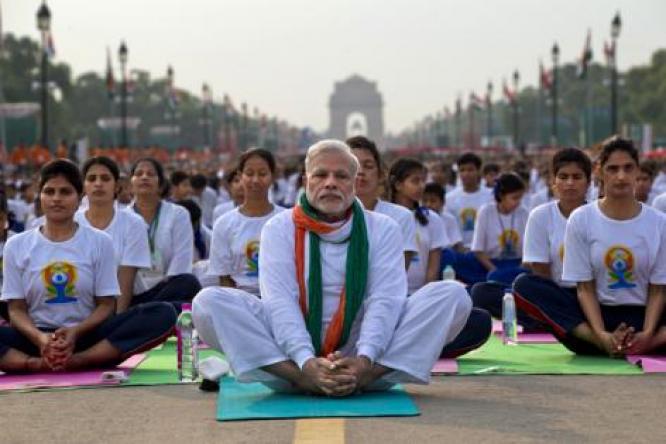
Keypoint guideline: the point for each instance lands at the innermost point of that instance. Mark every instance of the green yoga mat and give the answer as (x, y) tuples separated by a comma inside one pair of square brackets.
[(238, 401), (160, 366), (538, 359)]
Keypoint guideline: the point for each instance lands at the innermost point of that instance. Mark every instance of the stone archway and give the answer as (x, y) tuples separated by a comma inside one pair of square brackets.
[(356, 108)]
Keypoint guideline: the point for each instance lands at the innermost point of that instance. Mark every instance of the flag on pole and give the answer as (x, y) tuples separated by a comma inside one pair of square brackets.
[(510, 95), (544, 77), (609, 51), (585, 56), (475, 101), (110, 81), (47, 44)]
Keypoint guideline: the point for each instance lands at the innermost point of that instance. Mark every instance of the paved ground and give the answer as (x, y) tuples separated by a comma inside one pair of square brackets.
[(473, 409)]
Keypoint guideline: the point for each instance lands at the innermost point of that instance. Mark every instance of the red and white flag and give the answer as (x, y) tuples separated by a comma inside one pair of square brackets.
[(508, 93), (544, 77)]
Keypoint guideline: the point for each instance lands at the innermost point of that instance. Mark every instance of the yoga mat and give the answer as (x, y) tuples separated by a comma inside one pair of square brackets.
[(85, 378), (160, 366), (539, 359), (649, 363), (445, 367), (237, 401), (533, 338)]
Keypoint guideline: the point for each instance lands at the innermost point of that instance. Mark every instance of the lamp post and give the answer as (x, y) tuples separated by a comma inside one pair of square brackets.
[(489, 106), (44, 25), (616, 25), (207, 100), (555, 53), (122, 57), (516, 123)]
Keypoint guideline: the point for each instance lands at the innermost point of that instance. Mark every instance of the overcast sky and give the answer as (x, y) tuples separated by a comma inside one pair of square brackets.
[(284, 56)]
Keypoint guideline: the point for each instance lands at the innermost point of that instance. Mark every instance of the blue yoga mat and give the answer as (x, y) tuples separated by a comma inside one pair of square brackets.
[(238, 401)]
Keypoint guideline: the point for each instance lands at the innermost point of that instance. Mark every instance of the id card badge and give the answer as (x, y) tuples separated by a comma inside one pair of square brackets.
[(156, 262)]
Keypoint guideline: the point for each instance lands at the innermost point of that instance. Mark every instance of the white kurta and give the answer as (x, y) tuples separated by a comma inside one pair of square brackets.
[(404, 334)]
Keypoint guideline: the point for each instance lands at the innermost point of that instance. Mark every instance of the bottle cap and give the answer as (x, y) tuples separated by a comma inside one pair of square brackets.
[(186, 306)]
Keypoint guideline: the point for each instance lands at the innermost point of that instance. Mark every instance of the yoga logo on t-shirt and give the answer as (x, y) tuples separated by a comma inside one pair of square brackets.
[(467, 218), (415, 256), (560, 252), (508, 242), (619, 261), (252, 258), (59, 279)]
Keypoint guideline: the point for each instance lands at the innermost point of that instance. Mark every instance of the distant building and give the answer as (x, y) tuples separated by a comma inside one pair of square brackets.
[(356, 108)]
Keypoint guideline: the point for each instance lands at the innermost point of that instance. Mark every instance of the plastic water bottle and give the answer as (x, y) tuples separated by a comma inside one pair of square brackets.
[(449, 274), (509, 321), (188, 355)]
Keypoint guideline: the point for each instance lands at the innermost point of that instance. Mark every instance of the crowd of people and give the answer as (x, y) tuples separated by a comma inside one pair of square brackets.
[(326, 277)]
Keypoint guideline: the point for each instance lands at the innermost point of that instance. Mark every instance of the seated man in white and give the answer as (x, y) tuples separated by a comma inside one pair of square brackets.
[(334, 317)]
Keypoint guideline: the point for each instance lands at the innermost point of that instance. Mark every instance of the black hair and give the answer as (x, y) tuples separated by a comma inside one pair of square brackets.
[(178, 177), (198, 181), (649, 167), (259, 152), (617, 143), (106, 162), (436, 189), (399, 171), (507, 183), (469, 158), (64, 168), (363, 143), (231, 175), (192, 208), (572, 155), (159, 170), (490, 168)]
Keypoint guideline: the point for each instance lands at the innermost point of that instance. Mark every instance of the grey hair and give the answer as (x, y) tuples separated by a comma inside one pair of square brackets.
[(331, 146)]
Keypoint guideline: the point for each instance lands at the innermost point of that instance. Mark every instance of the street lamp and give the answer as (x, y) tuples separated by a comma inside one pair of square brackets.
[(207, 100), (555, 52), (44, 25), (122, 57), (516, 81), (489, 105), (616, 25)]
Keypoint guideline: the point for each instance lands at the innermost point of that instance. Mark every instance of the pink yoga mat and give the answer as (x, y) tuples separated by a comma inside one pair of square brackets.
[(445, 367), (497, 326), (534, 338), (67, 379), (649, 363)]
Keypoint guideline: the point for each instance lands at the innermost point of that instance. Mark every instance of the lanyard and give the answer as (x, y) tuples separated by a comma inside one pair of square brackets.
[(152, 228)]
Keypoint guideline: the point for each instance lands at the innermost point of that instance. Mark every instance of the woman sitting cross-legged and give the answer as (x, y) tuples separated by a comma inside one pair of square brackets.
[(170, 238), (406, 185), (543, 248), (61, 285), (615, 252)]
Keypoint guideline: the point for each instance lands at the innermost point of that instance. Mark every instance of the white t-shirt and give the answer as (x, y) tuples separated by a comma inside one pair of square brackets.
[(130, 238), (405, 220), (173, 239), (539, 198), (659, 203), (464, 207), (621, 256), (10, 233), (386, 289), (544, 240), (452, 227), (59, 280), (235, 248), (500, 236), (428, 237), (20, 208), (222, 209)]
